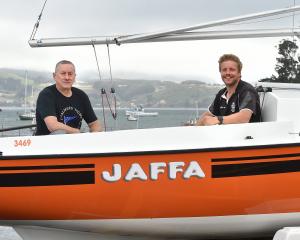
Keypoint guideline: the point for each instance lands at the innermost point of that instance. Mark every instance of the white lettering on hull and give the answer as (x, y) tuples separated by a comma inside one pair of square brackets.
[(156, 169), (135, 172), (116, 176)]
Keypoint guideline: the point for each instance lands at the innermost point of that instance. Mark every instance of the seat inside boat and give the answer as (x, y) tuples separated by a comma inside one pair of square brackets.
[(280, 104)]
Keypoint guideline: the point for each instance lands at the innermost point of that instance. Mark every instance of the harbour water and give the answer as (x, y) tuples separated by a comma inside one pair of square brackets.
[(9, 117)]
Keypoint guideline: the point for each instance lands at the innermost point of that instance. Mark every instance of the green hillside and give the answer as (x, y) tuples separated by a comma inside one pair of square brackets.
[(149, 93)]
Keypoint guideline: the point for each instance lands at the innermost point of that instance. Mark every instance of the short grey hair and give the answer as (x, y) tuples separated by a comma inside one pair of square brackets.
[(64, 62)]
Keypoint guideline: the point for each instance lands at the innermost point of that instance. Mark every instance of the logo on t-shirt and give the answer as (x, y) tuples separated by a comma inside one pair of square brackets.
[(233, 107), (68, 119), (71, 117)]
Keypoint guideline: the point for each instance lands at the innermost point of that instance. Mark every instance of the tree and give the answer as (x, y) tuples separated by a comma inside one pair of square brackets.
[(287, 66), (288, 63)]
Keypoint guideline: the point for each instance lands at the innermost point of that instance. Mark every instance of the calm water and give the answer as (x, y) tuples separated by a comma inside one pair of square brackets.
[(9, 117)]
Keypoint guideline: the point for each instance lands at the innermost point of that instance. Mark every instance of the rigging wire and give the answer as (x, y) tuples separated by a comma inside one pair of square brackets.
[(265, 20), (97, 62), (37, 24), (103, 91), (112, 89), (294, 40), (103, 110), (294, 37), (108, 54)]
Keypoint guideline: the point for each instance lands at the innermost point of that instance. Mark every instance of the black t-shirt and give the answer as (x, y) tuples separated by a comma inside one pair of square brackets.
[(68, 110), (245, 97)]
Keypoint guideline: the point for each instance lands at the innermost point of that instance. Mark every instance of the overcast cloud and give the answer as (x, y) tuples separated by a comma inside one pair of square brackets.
[(176, 60)]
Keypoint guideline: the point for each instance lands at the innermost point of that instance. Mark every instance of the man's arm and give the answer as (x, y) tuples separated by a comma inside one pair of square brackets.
[(242, 116), (54, 125), (95, 126), (208, 118)]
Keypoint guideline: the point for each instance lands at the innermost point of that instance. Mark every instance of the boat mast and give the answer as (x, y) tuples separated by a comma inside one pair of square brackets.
[(181, 34), (25, 93)]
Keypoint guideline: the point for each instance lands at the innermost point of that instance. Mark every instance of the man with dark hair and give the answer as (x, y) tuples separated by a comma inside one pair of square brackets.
[(61, 107), (238, 102)]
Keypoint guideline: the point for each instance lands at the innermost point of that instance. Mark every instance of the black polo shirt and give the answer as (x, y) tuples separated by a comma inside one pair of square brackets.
[(245, 97)]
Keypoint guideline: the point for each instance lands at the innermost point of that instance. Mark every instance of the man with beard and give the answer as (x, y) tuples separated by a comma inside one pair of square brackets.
[(62, 107), (238, 102)]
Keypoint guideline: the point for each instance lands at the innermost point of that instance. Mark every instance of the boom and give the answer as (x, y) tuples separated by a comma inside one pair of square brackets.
[(181, 34)]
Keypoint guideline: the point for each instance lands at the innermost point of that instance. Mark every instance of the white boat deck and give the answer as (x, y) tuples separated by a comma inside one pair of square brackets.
[(158, 139)]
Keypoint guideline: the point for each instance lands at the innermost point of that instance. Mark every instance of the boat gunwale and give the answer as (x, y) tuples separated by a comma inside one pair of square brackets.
[(137, 153)]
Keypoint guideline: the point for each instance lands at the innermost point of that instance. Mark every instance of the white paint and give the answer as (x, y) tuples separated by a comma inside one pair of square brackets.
[(193, 169), (174, 168), (156, 168), (136, 172), (117, 173)]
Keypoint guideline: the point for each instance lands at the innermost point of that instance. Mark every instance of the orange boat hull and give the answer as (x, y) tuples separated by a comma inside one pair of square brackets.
[(240, 181)]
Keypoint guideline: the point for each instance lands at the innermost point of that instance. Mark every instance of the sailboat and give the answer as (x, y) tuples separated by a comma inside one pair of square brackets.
[(175, 182), (132, 117), (140, 111), (27, 115)]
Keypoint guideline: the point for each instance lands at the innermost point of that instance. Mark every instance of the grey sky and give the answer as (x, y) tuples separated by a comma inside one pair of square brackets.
[(194, 60)]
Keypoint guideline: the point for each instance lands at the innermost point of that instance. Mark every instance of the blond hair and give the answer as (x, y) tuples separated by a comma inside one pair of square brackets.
[(230, 57)]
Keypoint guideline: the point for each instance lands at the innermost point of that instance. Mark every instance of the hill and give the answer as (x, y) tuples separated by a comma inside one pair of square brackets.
[(149, 93), (155, 93)]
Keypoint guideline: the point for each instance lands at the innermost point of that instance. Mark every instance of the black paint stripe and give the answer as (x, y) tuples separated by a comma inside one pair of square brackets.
[(48, 167), (249, 169), (255, 157), (46, 179), (144, 153)]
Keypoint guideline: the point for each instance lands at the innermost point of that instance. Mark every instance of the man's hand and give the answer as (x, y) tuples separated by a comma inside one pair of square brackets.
[(206, 119), (209, 120)]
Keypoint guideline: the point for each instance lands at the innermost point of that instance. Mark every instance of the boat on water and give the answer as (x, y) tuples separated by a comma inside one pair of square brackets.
[(27, 114), (140, 111), (132, 117), (188, 182)]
